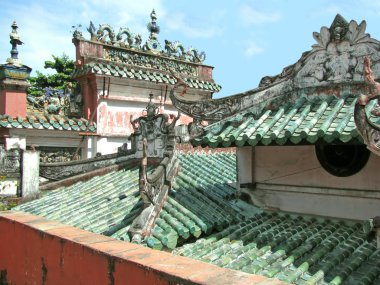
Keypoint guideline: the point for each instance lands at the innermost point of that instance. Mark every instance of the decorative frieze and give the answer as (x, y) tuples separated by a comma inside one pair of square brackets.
[(149, 61)]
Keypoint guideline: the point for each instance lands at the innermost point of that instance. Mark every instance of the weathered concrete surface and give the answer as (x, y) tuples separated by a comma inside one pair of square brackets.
[(30, 173)]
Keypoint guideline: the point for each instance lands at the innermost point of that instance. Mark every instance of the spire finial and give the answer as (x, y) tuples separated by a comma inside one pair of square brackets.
[(15, 40), (153, 28)]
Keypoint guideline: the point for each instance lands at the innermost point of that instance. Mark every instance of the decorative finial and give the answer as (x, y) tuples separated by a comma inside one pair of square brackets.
[(152, 44), (338, 28), (15, 40), (153, 28)]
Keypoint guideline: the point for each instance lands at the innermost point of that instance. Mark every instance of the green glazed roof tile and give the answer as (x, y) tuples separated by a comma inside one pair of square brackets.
[(119, 70), (294, 249), (33, 121), (303, 121), (108, 204)]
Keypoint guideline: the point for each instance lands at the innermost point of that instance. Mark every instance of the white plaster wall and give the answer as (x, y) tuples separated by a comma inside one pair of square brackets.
[(18, 141), (109, 145), (89, 147), (30, 173), (47, 137), (127, 89)]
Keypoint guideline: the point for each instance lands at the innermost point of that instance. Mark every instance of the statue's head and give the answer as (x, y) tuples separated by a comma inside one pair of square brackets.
[(151, 108), (339, 28)]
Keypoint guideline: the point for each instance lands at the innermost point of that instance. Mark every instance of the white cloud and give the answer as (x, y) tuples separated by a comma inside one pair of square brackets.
[(195, 28), (42, 34), (132, 14), (253, 49), (46, 32), (333, 9), (252, 16)]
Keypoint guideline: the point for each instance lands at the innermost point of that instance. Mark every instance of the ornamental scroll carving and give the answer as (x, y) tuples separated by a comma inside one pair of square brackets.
[(333, 66), (149, 61)]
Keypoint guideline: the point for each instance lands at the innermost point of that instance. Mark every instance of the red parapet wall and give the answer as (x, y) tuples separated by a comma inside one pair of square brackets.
[(34, 250)]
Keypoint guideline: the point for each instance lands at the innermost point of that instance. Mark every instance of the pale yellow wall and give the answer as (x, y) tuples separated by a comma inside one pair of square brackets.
[(298, 165), (290, 178)]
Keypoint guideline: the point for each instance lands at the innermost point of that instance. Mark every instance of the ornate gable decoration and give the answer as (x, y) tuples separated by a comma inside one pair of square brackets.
[(333, 67), (338, 54), (125, 39)]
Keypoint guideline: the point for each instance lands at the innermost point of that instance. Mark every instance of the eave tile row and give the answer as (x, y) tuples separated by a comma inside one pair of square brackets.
[(49, 122), (304, 121), (115, 70)]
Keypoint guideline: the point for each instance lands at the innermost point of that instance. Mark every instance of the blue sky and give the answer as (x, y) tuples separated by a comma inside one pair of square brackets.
[(243, 40)]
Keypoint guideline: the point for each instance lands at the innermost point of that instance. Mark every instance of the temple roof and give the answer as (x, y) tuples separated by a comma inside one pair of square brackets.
[(47, 122), (309, 101), (202, 213), (123, 54), (108, 204), (305, 121)]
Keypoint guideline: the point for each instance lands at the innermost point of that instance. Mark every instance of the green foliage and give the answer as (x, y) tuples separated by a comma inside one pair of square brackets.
[(6, 204), (61, 79)]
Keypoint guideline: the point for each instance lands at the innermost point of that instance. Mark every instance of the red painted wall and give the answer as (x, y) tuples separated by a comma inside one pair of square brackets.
[(13, 103), (34, 250)]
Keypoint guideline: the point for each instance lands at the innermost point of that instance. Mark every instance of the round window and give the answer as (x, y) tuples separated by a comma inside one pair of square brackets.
[(342, 160)]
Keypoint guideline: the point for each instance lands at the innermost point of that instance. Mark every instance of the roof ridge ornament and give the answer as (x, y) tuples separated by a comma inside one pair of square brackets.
[(339, 31), (105, 34), (152, 44), (153, 28), (15, 41)]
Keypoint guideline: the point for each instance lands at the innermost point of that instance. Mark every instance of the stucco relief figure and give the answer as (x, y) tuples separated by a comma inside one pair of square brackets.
[(332, 58), (337, 55), (339, 61)]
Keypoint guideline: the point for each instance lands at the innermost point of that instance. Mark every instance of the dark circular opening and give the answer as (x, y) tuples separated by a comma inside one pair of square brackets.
[(342, 160)]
